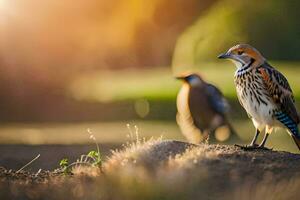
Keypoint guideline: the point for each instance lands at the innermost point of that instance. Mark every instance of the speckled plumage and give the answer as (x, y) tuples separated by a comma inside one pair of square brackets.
[(264, 92)]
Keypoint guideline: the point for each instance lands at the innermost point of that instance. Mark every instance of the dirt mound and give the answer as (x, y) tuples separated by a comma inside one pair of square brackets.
[(218, 159), (166, 169), (149, 155)]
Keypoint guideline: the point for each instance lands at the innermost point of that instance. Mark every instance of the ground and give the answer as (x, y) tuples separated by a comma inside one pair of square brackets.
[(166, 169)]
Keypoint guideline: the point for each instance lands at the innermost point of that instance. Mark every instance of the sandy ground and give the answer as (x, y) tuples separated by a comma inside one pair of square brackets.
[(165, 169), (15, 156)]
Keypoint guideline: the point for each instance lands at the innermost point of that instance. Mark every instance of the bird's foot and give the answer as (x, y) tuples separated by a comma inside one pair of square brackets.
[(252, 147), (247, 147), (264, 148)]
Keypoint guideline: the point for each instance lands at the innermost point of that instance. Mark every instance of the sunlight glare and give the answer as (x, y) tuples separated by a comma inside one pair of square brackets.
[(4, 10), (3, 5)]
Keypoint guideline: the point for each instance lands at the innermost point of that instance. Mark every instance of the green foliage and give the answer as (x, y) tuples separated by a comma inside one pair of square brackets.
[(64, 162), (92, 159), (64, 166), (93, 154), (96, 156), (271, 26)]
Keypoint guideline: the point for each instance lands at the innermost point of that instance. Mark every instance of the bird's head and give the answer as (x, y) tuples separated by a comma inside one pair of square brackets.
[(242, 55), (192, 79)]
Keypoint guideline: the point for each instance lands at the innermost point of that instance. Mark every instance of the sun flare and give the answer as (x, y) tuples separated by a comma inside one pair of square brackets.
[(3, 4)]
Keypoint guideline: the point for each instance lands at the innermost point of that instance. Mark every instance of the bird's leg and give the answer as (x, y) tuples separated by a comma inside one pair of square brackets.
[(253, 144), (269, 130), (262, 144)]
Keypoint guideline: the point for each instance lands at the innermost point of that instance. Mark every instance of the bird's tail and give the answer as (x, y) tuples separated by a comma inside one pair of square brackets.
[(291, 126), (297, 140), (295, 135), (294, 132)]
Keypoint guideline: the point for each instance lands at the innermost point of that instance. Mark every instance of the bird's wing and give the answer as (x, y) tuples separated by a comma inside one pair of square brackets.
[(280, 91), (216, 99)]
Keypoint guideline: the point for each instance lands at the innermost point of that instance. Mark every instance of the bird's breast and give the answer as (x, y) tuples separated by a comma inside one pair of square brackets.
[(254, 97), (182, 100)]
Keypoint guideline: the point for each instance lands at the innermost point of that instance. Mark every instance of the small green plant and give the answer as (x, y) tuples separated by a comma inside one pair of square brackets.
[(64, 163), (92, 159), (96, 157)]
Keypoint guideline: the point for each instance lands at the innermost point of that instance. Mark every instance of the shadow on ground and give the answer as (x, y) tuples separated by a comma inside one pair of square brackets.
[(15, 156)]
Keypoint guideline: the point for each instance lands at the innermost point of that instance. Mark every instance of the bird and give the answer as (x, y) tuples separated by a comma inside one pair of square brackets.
[(201, 109), (264, 93)]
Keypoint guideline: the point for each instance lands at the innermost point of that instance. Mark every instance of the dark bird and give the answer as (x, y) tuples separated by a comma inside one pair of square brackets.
[(202, 110), (264, 93)]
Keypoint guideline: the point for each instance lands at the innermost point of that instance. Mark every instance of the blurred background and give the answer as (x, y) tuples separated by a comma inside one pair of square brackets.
[(71, 65)]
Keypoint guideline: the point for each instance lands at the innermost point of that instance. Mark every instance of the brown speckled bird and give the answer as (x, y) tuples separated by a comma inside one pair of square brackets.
[(264, 93), (201, 109)]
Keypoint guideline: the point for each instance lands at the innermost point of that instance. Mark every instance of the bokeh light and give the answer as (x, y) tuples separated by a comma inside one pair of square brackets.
[(142, 107)]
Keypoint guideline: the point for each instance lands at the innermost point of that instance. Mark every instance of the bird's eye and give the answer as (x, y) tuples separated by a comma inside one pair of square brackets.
[(240, 52)]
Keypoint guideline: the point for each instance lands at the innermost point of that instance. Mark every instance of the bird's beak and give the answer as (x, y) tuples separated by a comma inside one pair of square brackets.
[(224, 55)]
